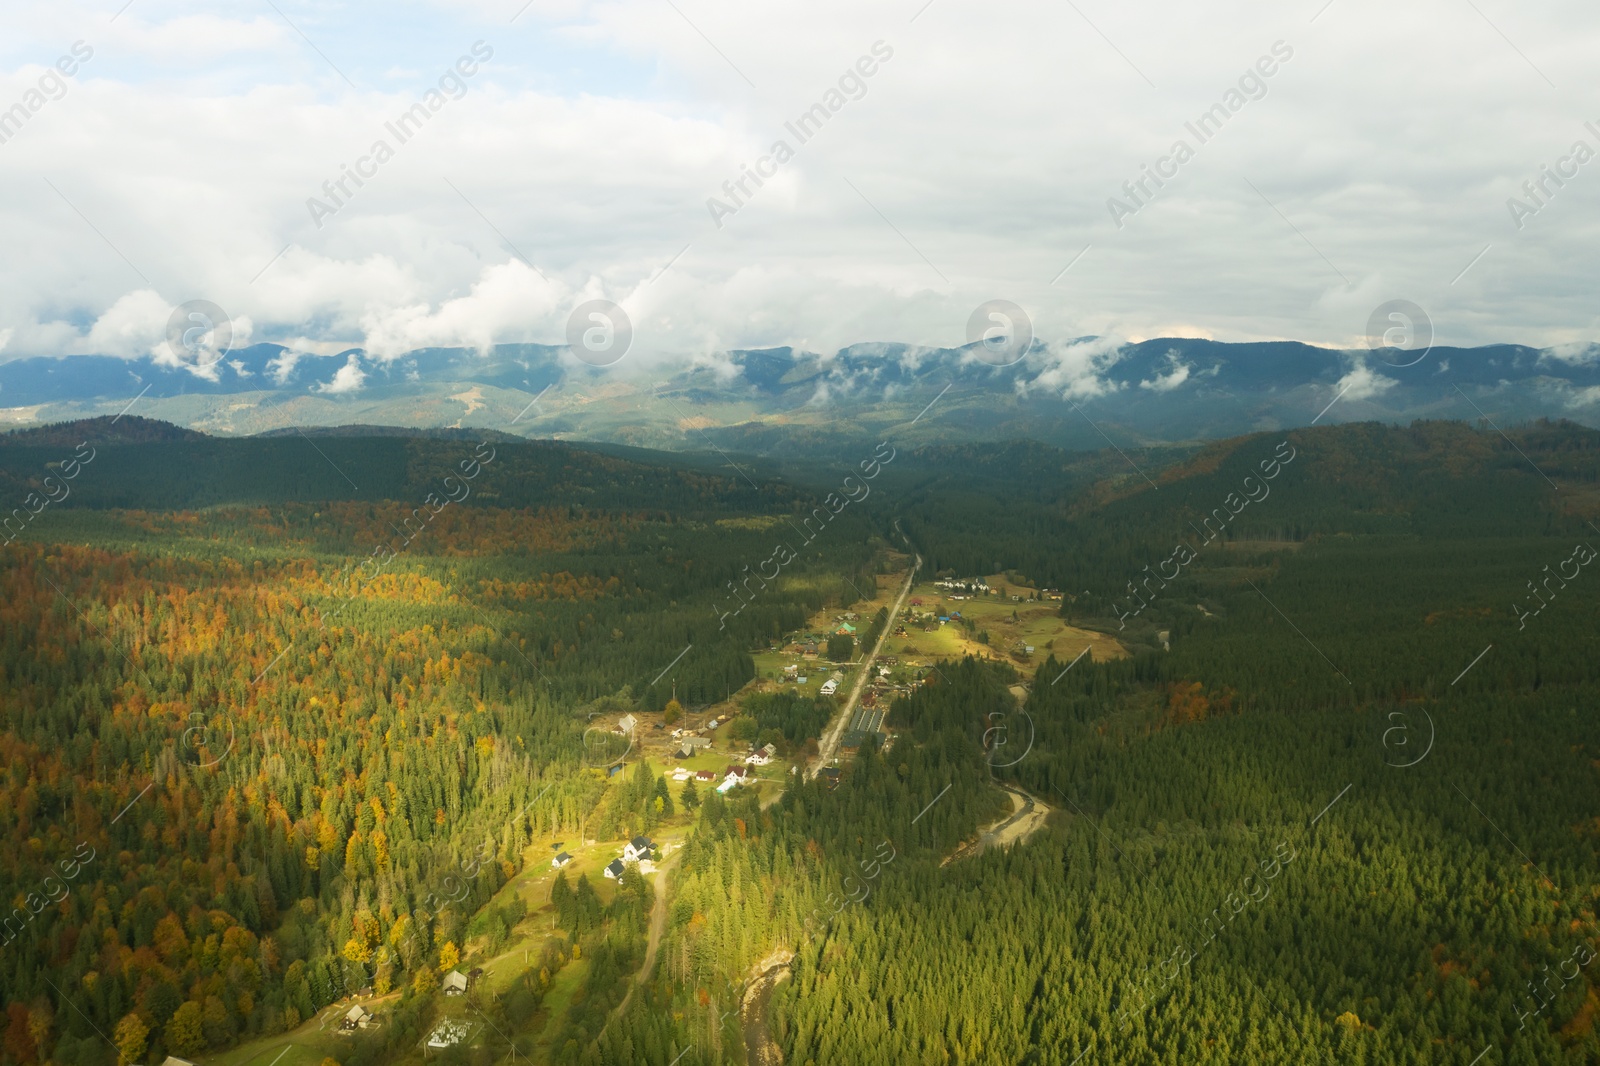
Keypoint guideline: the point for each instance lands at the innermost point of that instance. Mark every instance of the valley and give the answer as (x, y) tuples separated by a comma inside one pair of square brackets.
[(524, 750)]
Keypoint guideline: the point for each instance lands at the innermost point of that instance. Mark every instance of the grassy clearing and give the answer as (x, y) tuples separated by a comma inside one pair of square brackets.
[(304, 1046), (558, 999), (1009, 625)]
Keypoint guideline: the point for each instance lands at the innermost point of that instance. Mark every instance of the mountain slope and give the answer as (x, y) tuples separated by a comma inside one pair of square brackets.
[(1077, 394)]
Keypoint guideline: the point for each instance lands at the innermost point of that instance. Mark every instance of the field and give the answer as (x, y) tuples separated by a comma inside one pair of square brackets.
[(304, 1047), (1011, 626)]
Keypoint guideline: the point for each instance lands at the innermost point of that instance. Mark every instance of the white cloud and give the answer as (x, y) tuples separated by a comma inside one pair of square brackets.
[(1576, 353), (281, 367), (1363, 383), (509, 302), (349, 378), (188, 38), (135, 325), (1077, 370), (1177, 375), (942, 187)]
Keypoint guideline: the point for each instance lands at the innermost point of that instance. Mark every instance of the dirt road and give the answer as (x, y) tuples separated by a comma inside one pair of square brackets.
[(1027, 817), (658, 926), (829, 744)]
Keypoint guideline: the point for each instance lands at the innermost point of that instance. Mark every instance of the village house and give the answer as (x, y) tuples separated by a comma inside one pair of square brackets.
[(454, 983), (636, 849), (560, 860), (761, 756), (704, 775), (614, 869), (689, 745), (829, 687), (627, 724), (357, 1017)]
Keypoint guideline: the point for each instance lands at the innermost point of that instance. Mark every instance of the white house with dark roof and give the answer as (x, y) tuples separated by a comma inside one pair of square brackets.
[(636, 849), (357, 1017), (560, 860), (614, 869)]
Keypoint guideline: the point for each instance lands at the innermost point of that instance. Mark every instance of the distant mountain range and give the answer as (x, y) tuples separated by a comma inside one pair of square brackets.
[(1076, 394)]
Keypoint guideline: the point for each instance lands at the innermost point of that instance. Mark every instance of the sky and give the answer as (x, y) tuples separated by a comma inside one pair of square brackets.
[(1357, 153)]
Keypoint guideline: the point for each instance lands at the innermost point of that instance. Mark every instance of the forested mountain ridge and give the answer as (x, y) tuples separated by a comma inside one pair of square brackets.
[(1091, 528), (155, 465), (1074, 392)]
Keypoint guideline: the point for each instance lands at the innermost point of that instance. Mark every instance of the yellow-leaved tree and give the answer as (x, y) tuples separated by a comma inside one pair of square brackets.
[(131, 1033), (183, 1029)]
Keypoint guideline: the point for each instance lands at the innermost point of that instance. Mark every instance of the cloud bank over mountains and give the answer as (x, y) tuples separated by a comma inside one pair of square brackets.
[(577, 163), (1080, 392)]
